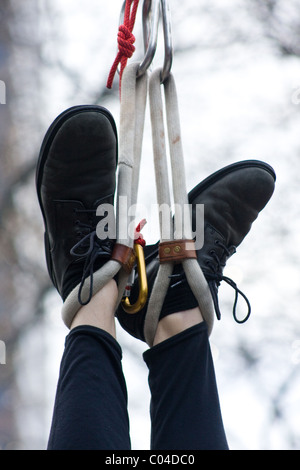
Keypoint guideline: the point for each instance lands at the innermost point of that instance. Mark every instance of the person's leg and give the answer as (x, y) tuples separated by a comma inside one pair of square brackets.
[(185, 408), (90, 411), (76, 173)]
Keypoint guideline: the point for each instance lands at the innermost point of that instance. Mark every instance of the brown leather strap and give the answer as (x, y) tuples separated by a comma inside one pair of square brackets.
[(124, 255), (177, 250)]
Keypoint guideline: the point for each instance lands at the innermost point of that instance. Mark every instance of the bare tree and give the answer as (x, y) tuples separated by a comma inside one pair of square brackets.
[(46, 69)]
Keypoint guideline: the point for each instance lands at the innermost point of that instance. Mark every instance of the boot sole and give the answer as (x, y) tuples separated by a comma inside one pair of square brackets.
[(225, 171), (46, 145)]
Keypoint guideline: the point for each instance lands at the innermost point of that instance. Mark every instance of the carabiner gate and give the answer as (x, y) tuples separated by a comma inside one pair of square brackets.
[(143, 284)]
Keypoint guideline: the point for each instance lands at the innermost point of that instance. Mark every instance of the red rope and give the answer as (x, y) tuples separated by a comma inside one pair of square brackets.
[(138, 237), (125, 41)]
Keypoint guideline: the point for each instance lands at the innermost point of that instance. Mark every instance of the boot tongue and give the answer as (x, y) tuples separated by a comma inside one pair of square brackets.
[(213, 287), (214, 263)]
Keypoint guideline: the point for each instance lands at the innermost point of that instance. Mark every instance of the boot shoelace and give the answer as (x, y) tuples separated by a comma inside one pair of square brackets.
[(215, 276), (95, 248)]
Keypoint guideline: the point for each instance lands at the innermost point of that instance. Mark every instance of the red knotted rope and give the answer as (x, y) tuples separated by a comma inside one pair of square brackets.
[(139, 240), (138, 237), (125, 41)]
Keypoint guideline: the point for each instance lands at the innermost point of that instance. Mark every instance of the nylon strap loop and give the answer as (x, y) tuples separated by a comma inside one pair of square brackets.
[(194, 274)]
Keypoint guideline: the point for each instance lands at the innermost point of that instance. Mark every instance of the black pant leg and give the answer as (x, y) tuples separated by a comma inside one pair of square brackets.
[(185, 409), (90, 411)]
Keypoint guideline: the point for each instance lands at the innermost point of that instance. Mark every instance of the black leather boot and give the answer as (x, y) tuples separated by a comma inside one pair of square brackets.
[(232, 198), (75, 174)]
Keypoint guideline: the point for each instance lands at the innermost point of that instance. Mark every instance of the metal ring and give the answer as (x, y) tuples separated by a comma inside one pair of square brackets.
[(155, 8)]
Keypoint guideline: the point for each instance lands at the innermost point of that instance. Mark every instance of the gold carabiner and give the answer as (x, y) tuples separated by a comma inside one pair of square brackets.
[(143, 284)]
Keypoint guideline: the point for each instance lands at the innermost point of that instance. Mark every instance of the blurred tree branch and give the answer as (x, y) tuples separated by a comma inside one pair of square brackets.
[(27, 32), (281, 23)]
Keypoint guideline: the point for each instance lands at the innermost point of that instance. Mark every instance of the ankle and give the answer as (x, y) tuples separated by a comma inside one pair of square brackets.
[(175, 323), (100, 311)]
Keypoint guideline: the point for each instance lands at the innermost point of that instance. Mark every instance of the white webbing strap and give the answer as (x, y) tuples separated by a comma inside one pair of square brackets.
[(191, 267), (132, 117)]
